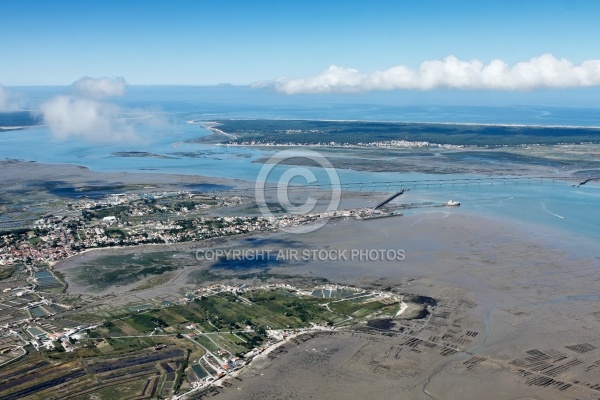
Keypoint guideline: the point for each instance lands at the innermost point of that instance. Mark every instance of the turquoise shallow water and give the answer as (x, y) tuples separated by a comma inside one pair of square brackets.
[(552, 204)]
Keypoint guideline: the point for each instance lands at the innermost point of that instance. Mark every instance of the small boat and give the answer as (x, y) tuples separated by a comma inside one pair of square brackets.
[(453, 203)]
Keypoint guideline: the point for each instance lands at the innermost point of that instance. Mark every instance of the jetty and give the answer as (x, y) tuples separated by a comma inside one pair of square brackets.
[(583, 182), (392, 197)]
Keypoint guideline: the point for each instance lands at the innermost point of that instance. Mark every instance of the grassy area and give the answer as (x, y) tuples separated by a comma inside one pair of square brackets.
[(297, 311), (358, 309), (145, 322), (82, 352), (206, 343), (226, 312), (34, 241), (183, 315), (126, 345), (86, 318), (222, 313), (120, 328), (119, 270), (225, 341), (116, 211), (156, 281), (114, 346), (204, 276)]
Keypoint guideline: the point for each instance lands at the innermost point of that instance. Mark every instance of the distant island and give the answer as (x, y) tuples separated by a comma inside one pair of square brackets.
[(393, 134)]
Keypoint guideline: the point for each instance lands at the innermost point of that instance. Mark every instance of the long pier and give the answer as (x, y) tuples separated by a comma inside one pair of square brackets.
[(583, 182), (392, 197)]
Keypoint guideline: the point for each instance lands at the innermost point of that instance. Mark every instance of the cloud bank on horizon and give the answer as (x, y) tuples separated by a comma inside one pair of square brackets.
[(85, 114), (541, 72)]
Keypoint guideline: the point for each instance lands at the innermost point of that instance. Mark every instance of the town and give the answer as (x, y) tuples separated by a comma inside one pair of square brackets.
[(136, 219), (42, 324)]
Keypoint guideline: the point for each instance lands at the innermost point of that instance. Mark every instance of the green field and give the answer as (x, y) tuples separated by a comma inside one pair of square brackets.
[(230, 343), (145, 322), (220, 320), (118, 270), (221, 315), (206, 343), (359, 309)]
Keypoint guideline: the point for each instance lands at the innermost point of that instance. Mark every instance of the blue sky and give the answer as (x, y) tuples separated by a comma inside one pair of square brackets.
[(241, 42)]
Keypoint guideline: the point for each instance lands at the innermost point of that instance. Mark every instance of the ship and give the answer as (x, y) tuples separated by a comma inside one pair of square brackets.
[(453, 203)]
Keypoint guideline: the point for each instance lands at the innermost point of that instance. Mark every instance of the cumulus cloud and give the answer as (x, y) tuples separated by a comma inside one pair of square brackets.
[(100, 87), (86, 115), (87, 118), (545, 71)]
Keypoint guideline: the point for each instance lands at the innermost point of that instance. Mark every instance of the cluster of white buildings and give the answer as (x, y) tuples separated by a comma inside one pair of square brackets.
[(395, 144), (66, 338)]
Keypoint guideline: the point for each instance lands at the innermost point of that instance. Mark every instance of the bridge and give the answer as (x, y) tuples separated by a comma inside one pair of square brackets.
[(398, 185)]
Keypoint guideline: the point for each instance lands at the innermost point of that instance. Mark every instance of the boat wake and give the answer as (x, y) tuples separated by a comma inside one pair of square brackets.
[(445, 214), (551, 213)]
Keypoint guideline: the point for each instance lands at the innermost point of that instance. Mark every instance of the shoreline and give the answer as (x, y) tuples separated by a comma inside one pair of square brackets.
[(419, 122), (546, 236), (554, 233), (213, 138), (518, 280), (22, 171)]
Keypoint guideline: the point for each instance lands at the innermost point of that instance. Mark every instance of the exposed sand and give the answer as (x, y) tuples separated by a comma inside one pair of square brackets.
[(508, 285)]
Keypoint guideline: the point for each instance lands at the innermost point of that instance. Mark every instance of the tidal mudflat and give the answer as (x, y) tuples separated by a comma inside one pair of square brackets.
[(521, 310)]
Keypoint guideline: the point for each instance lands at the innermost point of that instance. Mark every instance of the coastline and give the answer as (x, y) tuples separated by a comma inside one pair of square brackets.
[(21, 172), (409, 229), (422, 122), (499, 272), (214, 137)]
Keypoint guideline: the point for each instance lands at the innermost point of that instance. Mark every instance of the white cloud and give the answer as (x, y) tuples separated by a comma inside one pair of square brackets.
[(70, 116), (84, 115), (545, 71), (100, 87)]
